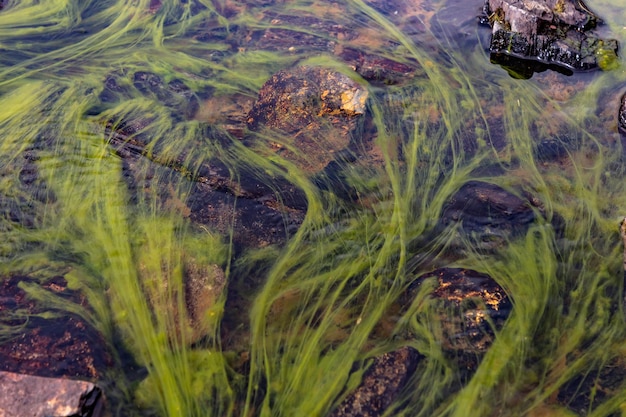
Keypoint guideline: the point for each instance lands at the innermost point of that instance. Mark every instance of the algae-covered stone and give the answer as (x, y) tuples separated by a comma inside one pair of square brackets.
[(467, 303), (315, 110)]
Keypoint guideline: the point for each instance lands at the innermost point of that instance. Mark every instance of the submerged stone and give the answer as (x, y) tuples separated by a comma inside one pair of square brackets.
[(470, 305), (553, 33), (257, 209), (488, 214), (48, 344), (32, 396), (381, 385), (375, 68), (586, 392), (177, 96), (314, 109)]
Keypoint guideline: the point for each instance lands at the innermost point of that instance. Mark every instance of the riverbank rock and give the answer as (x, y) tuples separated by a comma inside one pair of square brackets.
[(25, 395), (381, 385), (311, 114), (621, 117), (47, 342), (548, 32), (488, 214)]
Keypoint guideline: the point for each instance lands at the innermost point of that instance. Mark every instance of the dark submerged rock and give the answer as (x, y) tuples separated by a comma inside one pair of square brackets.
[(586, 392), (316, 109), (375, 68), (64, 345), (176, 95), (488, 214), (381, 385), (25, 395), (258, 210), (548, 32)]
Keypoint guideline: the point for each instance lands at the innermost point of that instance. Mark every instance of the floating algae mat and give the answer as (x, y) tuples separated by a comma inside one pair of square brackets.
[(309, 208)]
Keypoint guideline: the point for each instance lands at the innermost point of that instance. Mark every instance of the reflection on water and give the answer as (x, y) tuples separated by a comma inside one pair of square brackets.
[(241, 255)]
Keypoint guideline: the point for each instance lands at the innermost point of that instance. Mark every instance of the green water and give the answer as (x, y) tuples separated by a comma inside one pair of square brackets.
[(318, 300)]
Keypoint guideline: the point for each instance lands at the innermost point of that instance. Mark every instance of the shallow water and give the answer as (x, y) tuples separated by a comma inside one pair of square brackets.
[(126, 164)]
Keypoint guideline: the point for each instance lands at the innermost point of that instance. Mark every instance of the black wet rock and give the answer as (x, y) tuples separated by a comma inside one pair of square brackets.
[(488, 214), (549, 32), (315, 109), (381, 385), (621, 117)]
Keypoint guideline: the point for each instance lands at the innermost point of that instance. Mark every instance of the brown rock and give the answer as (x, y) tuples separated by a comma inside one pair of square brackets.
[(204, 285), (32, 396), (316, 110), (62, 345)]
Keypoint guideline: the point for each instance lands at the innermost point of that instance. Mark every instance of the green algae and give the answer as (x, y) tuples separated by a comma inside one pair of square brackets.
[(316, 313)]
